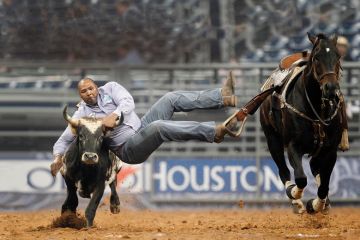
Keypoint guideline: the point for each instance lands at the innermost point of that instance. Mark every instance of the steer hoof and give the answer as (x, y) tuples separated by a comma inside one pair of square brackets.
[(309, 207), (115, 209)]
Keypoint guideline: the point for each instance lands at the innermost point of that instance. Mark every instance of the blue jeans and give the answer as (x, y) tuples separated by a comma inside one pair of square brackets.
[(156, 126)]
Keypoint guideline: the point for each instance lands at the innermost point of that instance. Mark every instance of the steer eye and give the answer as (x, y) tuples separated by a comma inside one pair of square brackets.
[(82, 138)]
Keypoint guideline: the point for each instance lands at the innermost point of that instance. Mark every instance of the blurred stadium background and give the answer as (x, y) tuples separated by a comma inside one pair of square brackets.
[(152, 47)]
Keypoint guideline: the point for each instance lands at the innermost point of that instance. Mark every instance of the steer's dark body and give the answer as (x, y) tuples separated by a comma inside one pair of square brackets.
[(87, 167)]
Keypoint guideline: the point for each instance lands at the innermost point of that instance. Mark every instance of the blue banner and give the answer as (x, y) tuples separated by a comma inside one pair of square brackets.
[(245, 177), (202, 175)]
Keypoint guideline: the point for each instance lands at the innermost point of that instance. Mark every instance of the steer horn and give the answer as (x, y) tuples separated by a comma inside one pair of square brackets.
[(120, 119), (73, 122)]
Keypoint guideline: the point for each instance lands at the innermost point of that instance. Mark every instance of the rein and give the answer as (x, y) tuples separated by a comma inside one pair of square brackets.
[(303, 115), (323, 121), (317, 123)]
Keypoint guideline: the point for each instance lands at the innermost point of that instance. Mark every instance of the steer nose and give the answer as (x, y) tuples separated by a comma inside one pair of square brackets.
[(90, 158)]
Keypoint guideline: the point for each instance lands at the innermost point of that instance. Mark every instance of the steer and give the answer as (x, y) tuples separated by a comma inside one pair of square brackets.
[(89, 166)]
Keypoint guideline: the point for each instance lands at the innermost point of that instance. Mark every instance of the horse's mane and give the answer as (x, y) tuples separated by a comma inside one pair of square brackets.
[(321, 36)]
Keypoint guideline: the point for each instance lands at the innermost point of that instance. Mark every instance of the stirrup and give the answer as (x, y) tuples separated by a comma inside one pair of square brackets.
[(238, 132)]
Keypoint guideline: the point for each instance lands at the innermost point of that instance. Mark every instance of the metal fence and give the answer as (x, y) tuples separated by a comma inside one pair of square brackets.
[(32, 96)]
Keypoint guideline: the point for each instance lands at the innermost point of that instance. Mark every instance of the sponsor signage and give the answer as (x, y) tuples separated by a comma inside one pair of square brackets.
[(33, 176), (216, 177), (219, 178), (186, 178)]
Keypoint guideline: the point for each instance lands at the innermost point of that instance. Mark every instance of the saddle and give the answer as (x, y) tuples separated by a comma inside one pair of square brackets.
[(285, 69), (288, 69), (281, 78), (293, 60)]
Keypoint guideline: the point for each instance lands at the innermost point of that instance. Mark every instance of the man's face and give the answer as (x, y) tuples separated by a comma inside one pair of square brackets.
[(88, 91), (342, 49)]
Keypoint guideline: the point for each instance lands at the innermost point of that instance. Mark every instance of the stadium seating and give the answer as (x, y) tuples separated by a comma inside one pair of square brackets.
[(167, 30)]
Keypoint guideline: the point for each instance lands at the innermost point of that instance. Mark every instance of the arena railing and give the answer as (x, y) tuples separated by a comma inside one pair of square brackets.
[(36, 93)]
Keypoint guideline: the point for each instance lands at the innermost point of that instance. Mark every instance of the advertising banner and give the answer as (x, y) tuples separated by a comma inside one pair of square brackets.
[(177, 179), (181, 178)]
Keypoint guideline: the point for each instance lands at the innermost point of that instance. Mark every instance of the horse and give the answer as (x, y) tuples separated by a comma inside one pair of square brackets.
[(306, 119)]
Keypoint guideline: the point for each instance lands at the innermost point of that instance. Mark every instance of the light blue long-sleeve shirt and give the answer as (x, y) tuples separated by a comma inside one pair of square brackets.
[(112, 98)]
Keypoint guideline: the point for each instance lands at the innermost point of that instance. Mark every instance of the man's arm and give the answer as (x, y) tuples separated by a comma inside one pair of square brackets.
[(124, 102), (61, 145), (110, 121), (122, 98), (64, 141)]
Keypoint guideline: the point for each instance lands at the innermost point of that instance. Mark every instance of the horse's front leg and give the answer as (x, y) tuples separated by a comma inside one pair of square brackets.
[(315, 165), (322, 168), (295, 191)]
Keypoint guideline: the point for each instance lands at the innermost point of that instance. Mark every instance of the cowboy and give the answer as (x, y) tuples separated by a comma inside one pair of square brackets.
[(135, 139)]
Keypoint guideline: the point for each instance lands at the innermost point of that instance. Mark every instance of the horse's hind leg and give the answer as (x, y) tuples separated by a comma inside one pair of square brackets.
[(276, 149), (322, 168), (295, 159)]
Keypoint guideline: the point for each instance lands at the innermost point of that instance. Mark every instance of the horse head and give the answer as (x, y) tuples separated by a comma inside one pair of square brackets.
[(324, 64)]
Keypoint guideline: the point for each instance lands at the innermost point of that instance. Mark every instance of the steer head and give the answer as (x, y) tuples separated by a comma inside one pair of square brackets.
[(90, 135)]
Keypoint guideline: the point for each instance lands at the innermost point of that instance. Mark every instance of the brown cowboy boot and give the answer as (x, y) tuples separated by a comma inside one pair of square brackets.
[(229, 101), (221, 130), (228, 91), (229, 85)]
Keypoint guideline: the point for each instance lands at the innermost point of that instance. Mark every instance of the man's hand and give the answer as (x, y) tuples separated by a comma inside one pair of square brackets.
[(110, 121), (56, 165)]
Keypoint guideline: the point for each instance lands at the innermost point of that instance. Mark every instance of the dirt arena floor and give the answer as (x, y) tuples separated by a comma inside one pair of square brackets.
[(277, 223)]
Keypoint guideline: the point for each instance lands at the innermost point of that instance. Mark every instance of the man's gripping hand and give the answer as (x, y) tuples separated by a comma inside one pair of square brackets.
[(110, 121), (56, 165)]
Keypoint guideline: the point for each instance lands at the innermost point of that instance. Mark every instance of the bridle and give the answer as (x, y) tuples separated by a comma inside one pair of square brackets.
[(320, 80), (318, 122)]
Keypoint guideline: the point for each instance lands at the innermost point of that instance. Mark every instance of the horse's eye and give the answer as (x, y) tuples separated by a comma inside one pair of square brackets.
[(82, 138)]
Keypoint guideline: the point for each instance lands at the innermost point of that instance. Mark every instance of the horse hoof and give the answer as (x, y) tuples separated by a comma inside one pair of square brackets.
[(309, 207), (298, 206), (288, 191), (115, 209), (327, 207)]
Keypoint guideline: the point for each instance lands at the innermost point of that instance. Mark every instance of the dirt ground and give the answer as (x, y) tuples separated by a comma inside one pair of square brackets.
[(277, 223)]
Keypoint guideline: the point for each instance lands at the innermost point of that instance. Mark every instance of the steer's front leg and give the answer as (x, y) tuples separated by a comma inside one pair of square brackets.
[(93, 204)]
